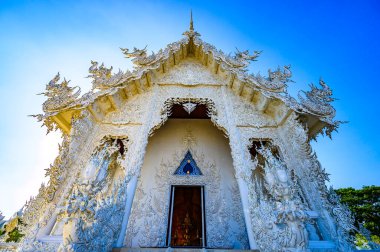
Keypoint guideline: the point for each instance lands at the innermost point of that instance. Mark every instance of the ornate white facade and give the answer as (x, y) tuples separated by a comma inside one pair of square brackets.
[(263, 187)]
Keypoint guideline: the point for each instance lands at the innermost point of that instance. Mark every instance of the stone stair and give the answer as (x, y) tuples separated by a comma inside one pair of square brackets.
[(178, 250)]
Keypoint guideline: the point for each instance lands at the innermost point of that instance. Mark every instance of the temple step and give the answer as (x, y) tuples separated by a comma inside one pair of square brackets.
[(317, 246), (177, 250)]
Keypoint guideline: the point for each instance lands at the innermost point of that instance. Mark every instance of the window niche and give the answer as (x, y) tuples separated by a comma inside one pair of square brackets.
[(105, 163), (100, 174), (258, 159)]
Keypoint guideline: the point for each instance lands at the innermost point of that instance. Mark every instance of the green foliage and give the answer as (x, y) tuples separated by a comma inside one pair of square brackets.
[(12, 232), (365, 205), (14, 236), (376, 239), (361, 242)]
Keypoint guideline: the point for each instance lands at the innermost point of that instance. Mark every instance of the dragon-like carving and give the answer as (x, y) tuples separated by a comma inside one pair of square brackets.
[(60, 95), (318, 100), (93, 220), (343, 218), (140, 56), (102, 76), (81, 202), (286, 220), (276, 80), (240, 60)]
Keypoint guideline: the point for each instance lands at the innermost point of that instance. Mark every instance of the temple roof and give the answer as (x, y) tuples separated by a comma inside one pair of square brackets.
[(63, 102)]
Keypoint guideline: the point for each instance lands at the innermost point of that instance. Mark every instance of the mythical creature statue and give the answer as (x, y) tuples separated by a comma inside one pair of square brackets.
[(276, 177), (240, 60), (343, 218), (140, 56), (244, 55), (102, 76), (96, 202), (276, 81), (286, 220), (318, 101), (93, 219), (60, 95), (81, 201)]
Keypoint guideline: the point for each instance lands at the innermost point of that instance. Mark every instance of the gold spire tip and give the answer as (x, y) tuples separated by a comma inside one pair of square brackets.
[(191, 21)]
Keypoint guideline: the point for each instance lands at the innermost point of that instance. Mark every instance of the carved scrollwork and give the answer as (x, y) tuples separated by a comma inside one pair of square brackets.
[(140, 56), (95, 222), (318, 100), (286, 220), (56, 170), (276, 80), (60, 95), (240, 60), (103, 77), (97, 200), (152, 209)]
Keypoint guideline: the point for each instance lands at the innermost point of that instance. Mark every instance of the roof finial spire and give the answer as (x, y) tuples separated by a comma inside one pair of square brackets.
[(191, 21), (191, 33)]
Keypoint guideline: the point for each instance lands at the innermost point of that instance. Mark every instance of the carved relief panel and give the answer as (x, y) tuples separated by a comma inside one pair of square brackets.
[(148, 223)]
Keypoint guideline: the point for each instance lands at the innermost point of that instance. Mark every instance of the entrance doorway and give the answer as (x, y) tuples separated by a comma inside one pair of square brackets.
[(186, 220)]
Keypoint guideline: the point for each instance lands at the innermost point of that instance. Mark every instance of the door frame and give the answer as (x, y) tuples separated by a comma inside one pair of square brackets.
[(170, 219)]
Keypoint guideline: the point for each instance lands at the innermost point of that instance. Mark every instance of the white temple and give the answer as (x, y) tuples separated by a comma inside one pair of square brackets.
[(189, 150)]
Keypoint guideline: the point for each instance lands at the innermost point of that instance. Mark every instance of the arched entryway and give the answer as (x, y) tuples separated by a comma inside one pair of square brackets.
[(212, 197)]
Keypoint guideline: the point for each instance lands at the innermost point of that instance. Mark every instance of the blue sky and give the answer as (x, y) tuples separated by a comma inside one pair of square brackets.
[(338, 40)]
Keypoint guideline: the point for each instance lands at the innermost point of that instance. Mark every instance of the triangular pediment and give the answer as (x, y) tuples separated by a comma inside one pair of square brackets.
[(188, 166), (190, 71), (189, 62)]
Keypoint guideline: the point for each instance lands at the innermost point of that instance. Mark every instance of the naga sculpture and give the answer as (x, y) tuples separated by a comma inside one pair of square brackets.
[(59, 95), (318, 101), (102, 76)]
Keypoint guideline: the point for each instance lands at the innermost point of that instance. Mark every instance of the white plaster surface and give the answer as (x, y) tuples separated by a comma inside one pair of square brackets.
[(148, 222)]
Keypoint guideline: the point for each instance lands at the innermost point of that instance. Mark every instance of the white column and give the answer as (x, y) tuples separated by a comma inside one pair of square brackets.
[(240, 164), (131, 189), (134, 163)]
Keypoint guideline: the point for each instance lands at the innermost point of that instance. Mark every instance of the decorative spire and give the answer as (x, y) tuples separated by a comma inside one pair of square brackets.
[(191, 33), (191, 21)]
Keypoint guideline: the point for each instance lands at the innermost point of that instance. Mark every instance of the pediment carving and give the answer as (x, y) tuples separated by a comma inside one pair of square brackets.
[(190, 72)]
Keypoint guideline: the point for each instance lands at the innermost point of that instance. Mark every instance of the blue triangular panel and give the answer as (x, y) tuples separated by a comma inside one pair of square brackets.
[(188, 166)]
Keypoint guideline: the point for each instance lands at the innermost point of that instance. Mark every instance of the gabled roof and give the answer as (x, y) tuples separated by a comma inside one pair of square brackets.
[(63, 101)]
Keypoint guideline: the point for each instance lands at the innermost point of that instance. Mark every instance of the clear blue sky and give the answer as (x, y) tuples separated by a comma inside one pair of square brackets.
[(338, 40)]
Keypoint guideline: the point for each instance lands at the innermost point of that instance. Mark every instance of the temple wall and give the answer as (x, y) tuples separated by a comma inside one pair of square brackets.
[(147, 225)]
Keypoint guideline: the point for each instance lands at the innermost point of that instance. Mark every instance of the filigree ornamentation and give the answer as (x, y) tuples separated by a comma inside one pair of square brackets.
[(140, 56), (152, 209), (103, 77), (191, 33), (60, 95), (318, 101), (189, 107), (56, 170), (344, 221), (97, 222), (286, 220), (91, 164), (97, 202), (33, 213), (189, 140), (211, 111), (240, 60), (276, 80), (81, 202)]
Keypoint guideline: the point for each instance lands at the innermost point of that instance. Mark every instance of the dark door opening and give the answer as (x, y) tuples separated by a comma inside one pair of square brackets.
[(186, 220)]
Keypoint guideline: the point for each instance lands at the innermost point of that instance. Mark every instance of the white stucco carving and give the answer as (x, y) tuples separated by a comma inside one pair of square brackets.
[(225, 225), (101, 195)]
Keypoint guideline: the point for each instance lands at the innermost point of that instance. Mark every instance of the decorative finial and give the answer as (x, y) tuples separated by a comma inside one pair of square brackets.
[(191, 21), (191, 33)]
